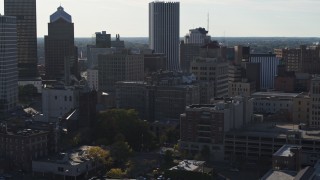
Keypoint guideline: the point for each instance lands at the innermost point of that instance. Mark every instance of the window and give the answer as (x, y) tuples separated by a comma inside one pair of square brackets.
[(60, 169)]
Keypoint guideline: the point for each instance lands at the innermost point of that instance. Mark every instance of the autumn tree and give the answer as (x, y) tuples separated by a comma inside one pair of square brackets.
[(99, 155)]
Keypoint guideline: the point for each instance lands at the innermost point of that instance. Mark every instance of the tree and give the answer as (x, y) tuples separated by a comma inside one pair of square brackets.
[(168, 157), (116, 173), (97, 154), (126, 122), (121, 151)]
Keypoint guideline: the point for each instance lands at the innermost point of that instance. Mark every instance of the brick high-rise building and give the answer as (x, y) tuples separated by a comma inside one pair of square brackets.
[(26, 13), (60, 52)]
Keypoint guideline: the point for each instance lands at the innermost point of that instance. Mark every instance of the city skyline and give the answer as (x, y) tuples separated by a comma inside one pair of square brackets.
[(230, 18)]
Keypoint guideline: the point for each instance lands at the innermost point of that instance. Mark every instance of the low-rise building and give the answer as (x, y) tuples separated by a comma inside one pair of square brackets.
[(287, 158), (74, 164), (261, 140), (275, 105)]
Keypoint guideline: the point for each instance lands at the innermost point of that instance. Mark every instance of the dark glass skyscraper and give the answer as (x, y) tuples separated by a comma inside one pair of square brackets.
[(60, 52), (164, 30), (26, 13), (8, 63)]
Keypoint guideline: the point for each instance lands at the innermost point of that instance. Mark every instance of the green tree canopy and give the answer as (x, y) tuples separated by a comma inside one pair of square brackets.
[(125, 122)]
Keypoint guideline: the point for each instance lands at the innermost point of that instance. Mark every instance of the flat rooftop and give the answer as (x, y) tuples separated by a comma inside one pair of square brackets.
[(275, 94), (276, 129), (23, 132), (73, 157), (286, 150), (277, 175), (188, 165)]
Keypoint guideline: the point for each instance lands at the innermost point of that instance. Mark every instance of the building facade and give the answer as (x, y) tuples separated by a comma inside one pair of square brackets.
[(301, 108), (8, 63), (58, 101), (19, 147), (93, 78), (60, 53), (303, 59), (164, 30), (122, 66), (154, 62), (26, 13), (190, 47), (314, 120), (268, 68), (213, 71), (205, 125)]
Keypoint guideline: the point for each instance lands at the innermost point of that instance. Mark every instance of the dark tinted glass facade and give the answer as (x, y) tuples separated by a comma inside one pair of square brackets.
[(25, 12)]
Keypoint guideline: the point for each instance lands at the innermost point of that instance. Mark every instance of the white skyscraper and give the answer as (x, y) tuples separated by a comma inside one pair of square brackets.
[(164, 29), (8, 63)]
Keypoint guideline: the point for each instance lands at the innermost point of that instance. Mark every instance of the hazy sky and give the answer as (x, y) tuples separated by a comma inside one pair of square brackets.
[(129, 18)]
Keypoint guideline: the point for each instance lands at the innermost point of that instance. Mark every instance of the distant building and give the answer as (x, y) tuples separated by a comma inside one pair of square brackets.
[(8, 60), (93, 78), (154, 62), (103, 40), (301, 108), (163, 96), (119, 66), (278, 106), (303, 59), (268, 68), (284, 80), (25, 12), (214, 72), (314, 120), (244, 76), (290, 81), (164, 30), (241, 54), (242, 88), (190, 47), (61, 55), (117, 43)]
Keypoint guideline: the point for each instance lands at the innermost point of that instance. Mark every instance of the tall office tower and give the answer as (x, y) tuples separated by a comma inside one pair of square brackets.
[(60, 52), (190, 47), (269, 63), (26, 14), (164, 27), (8, 63)]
